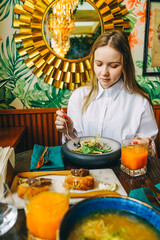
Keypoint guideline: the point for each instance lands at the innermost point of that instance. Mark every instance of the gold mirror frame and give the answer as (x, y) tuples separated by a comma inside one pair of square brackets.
[(59, 71)]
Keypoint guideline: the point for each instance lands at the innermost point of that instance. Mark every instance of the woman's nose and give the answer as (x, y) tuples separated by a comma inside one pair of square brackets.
[(105, 71)]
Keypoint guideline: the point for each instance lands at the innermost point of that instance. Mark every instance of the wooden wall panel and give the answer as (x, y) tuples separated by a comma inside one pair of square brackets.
[(45, 129), (41, 125), (51, 128)]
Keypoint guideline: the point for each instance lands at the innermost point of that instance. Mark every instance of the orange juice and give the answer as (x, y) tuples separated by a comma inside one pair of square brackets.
[(134, 156), (44, 213)]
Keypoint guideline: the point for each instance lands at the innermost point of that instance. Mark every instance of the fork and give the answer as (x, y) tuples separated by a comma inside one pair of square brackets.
[(150, 196), (67, 134)]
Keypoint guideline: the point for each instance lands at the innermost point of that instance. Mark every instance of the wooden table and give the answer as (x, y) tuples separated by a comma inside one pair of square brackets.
[(19, 231), (11, 136)]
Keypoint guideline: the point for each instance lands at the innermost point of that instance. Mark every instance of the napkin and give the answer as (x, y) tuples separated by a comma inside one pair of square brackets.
[(6, 154), (54, 156), (140, 195)]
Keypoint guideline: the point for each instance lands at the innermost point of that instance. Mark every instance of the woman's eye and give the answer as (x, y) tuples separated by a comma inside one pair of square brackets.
[(98, 63), (114, 66)]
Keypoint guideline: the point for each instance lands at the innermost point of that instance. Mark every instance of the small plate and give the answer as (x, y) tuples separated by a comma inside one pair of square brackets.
[(92, 160)]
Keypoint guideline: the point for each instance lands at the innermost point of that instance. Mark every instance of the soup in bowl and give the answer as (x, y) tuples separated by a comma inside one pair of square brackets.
[(110, 217)]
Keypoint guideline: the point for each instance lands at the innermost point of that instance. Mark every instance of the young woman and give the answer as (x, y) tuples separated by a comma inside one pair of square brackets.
[(113, 104)]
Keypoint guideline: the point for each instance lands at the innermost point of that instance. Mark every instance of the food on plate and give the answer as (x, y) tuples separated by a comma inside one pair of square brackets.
[(30, 191), (32, 186), (92, 146), (80, 172), (109, 187), (78, 182), (114, 225)]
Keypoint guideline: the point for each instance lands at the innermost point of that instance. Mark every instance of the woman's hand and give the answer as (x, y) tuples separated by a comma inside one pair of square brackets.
[(64, 123), (146, 140)]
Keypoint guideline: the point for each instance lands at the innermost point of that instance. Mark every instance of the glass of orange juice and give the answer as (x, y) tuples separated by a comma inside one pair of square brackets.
[(134, 157), (45, 210)]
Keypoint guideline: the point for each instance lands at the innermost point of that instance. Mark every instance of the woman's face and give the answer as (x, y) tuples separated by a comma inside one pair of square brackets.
[(107, 66)]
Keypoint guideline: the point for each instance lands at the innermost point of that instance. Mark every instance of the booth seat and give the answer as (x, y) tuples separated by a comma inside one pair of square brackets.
[(40, 125)]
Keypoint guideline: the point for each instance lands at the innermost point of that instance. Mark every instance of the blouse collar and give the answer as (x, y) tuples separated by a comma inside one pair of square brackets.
[(113, 91)]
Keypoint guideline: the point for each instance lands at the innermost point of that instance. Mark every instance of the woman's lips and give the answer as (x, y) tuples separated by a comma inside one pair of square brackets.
[(105, 79)]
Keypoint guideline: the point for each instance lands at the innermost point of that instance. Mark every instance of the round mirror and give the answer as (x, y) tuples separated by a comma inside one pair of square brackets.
[(56, 36), (70, 31)]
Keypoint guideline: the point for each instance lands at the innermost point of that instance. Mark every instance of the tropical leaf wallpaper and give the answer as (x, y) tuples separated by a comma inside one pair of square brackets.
[(25, 90)]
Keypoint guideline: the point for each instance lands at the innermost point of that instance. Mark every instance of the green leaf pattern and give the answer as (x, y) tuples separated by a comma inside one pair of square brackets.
[(152, 87), (6, 6), (46, 96), (33, 92)]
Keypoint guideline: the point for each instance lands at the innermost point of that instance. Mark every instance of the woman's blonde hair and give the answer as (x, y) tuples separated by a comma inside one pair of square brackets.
[(119, 41)]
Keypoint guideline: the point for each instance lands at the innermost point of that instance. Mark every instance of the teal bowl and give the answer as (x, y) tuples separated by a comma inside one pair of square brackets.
[(98, 203)]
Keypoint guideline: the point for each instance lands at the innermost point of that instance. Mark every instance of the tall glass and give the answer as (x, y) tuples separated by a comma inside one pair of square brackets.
[(8, 212), (45, 210), (134, 157)]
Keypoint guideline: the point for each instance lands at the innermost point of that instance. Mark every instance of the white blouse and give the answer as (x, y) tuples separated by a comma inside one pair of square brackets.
[(114, 113)]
